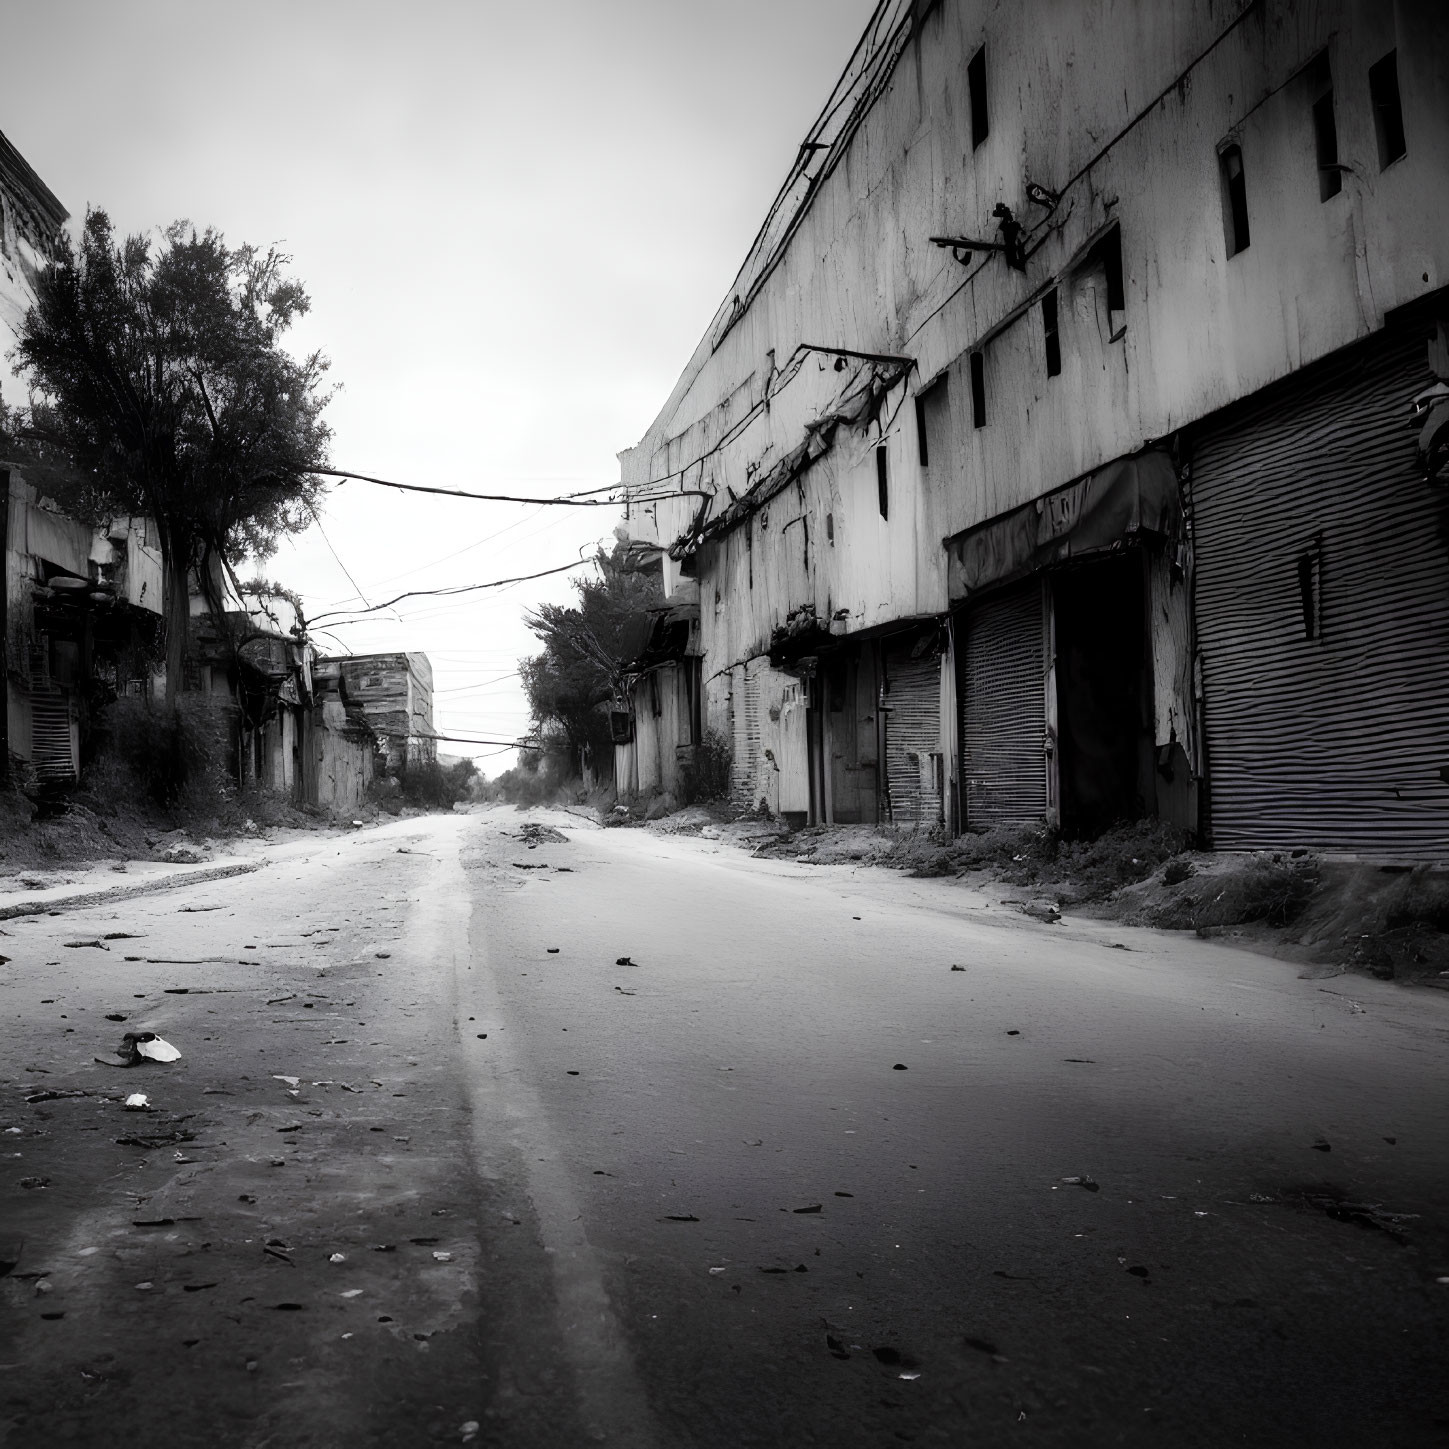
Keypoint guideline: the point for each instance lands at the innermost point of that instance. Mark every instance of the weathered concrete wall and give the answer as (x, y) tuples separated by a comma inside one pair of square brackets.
[(1120, 108), (395, 692), (652, 761)]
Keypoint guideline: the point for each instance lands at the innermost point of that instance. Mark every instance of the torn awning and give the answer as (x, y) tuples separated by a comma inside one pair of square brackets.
[(1129, 497)]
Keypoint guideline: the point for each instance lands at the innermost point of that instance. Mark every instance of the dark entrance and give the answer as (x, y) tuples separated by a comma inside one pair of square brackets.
[(1104, 697)]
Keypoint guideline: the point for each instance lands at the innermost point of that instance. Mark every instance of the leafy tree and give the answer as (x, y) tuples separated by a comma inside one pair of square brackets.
[(585, 649), (164, 384)]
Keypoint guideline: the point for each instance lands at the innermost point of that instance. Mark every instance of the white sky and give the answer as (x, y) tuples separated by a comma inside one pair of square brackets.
[(515, 222)]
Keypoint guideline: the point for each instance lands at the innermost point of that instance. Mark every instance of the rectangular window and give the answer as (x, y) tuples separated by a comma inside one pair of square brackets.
[(1310, 589), (750, 549), (976, 81), (1388, 109), (1235, 198), (978, 390), (882, 482), (1325, 127), (830, 529), (1049, 331), (923, 447)]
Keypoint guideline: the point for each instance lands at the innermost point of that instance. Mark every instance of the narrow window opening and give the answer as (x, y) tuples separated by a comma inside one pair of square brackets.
[(1388, 108), (805, 531), (830, 529), (882, 482), (976, 81), (1310, 589), (923, 448), (978, 390), (1325, 127), (750, 549), (1235, 198), (1050, 332), (1112, 268)]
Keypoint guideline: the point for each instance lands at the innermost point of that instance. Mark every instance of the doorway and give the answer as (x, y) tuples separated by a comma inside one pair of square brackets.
[(1104, 696)]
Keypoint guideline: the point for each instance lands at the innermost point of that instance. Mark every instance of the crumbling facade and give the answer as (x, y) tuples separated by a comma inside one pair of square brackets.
[(395, 694), (1055, 453)]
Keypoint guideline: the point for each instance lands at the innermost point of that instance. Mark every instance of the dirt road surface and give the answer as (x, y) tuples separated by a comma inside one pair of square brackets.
[(509, 1130)]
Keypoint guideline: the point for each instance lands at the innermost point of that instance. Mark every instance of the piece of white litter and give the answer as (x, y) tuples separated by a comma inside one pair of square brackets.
[(442, 1257), (716, 1271), (338, 1258), (351, 1293), (86, 1252), (290, 1081), (138, 1102), (157, 1050), (910, 1376)]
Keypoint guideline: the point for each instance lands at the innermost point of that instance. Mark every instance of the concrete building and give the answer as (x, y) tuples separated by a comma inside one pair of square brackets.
[(1054, 453), (395, 693)]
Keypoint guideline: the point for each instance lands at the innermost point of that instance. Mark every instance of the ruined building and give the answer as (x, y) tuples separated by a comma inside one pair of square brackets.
[(1070, 445)]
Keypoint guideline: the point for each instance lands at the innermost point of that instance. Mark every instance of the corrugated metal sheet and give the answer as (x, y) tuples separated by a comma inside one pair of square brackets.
[(912, 733), (1336, 741), (52, 737), (1003, 708), (746, 774)]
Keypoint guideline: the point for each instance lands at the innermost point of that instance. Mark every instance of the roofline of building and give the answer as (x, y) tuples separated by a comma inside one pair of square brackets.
[(18, 173)]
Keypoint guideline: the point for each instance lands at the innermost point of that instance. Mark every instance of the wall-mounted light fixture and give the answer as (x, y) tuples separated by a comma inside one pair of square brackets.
[(1010, 246)]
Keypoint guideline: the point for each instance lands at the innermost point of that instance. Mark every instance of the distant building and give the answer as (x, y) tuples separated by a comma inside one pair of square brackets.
[(395, 693), (1073, 441), (32, 225)]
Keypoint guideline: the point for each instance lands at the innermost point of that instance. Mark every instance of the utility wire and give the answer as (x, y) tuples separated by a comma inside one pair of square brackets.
[(574, 501), (455, 589)]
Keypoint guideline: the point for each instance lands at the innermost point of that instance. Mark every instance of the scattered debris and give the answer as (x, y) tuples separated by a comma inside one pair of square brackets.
[(679, 1218), (1039, 912), (958, 968), (76, 945), (1089, 1183), (138, 1102), (150, 1140), (626, 961), (900, 1067), (139, 1046), (814, 1207), (34, 1182), (442, 1257), (1320, 1146)]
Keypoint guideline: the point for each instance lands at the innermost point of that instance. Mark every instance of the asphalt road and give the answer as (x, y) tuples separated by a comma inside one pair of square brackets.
[(783, 1177)]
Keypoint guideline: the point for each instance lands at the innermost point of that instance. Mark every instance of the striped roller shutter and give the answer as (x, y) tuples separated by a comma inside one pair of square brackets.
[(1337, 741), (912, 733), (50, 737), (746, 774), (1003, 709)]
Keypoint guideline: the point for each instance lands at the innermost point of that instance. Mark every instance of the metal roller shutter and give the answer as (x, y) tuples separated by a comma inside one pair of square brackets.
[(913, 734), (52, 753), (1003, 709), (1336, 741), (746, 781)]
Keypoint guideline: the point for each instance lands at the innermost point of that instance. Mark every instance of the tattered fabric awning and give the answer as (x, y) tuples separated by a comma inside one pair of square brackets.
[(1108, 508)]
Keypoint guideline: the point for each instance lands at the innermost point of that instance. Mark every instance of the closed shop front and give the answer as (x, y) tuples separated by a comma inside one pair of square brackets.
[(1001, 655), (1322, 610), (911, 704)]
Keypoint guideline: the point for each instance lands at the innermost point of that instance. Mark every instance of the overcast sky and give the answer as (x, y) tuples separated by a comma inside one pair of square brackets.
[(515, 223)]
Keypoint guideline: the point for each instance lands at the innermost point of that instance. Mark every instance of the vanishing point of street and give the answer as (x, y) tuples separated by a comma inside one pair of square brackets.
[(505, 1128)]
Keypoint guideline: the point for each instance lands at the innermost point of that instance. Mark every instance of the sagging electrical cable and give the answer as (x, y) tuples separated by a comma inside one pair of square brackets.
[(573, 501), (337, 614)]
